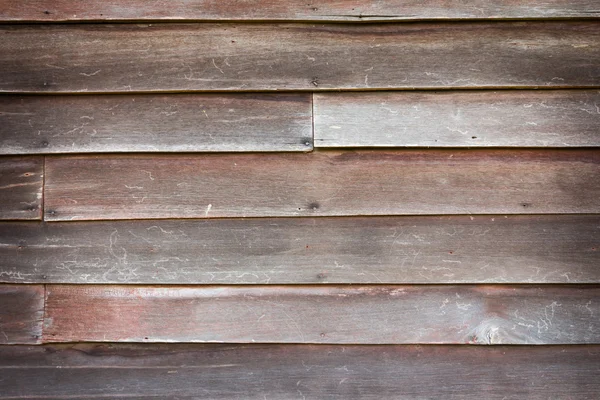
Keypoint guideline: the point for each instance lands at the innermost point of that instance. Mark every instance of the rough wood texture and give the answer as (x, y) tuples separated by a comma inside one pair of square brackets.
[(323, 10), (21, 180), (21, 314), (177, 57), (323, 183), (257, 372), (457, 249), (167, 123), (458, 119), (324, 314)]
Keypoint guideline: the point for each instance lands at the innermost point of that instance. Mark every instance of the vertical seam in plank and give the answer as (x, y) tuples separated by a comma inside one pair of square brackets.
[(42, 205), (41, 340), (312, 118)]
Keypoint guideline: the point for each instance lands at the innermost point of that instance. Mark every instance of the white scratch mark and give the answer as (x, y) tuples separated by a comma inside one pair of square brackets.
[(92, 74), (207, 210), (149, 174), (215, 64)]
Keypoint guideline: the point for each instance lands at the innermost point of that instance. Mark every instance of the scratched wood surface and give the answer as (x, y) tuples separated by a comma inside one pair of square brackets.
[(21, 314), (148, 123), (258, 372), (456, 249), (326, 183), (561, 118), (21, 180), (260, 56), (324, 314), (324, 10)]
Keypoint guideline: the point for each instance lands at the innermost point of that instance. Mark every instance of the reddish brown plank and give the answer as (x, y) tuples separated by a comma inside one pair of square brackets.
[(523, 118), (327, 183), (21, 314), (185, 372), (324, 314), (150, 123), (259, 56), (323, 10), (456, 249), (21, 180)]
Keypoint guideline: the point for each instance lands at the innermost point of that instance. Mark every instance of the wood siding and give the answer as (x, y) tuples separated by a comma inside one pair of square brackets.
[(284, 200), (244, 57)]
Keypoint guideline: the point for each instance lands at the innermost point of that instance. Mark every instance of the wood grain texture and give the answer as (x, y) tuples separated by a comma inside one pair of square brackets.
[(324, 314), (21, 314), (323, 10), (326, 183), (458, 119), (187, 57), (21, 180), (149, 123), (457, 249), (185, 372)]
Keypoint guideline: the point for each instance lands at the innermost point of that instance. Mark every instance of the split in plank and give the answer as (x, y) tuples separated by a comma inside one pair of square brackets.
[(324, 183), (201, 57), (455, 249), (324, 314), (21, 314), (260, 10), (549, 118), (149, 123), (21, 181), (184, 371)]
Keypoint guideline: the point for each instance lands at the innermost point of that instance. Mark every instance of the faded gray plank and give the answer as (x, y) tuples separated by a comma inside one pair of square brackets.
[(457, 249), (21, 180), (324, 314), (166, 123), (259, 56), (458, 119), (347, 10), (325, 183), (185, 372), (21, 314)]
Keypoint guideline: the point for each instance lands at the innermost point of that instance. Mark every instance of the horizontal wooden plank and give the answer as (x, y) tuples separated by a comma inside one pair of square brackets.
[(185, 372), (166, 123), (552, 118), (21, 314), (21, 181), (259, 56), (457, 249), (324, 314), (252, 10), (326, 183)]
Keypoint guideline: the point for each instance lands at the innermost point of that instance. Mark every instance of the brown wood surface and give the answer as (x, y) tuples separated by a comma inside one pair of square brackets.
[(259, 56), (324, 10), (21, 314), (258, 372), (326, 183), (166, 123), (550, 118), (21, 180), (324, 314), (456, 249)]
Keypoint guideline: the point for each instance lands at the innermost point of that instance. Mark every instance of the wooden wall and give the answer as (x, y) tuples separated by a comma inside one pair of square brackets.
[(300, 200)]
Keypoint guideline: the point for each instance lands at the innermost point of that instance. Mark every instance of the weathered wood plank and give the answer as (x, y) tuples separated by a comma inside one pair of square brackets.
[(328, 10), (458, 119), (326, 183), (21, 314), (166, 123), (457, 249), (180, 57), (185, 372), (324, 314), (21, 180)]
